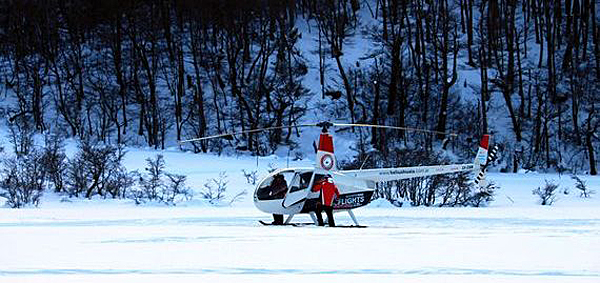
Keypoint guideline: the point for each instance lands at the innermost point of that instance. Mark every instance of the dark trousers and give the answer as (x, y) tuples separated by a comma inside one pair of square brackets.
[(277, 219), (329, 211)]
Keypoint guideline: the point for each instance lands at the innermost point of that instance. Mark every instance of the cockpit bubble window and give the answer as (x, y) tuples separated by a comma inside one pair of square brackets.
[(275, 186)]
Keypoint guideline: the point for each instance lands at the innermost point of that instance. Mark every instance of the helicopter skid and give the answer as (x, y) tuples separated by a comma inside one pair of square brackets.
[(304, 224)]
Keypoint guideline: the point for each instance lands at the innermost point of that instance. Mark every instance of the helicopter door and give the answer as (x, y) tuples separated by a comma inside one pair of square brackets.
[(298, 189)]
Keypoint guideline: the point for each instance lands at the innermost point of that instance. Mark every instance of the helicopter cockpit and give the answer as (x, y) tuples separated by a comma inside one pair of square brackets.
[(276, 185)]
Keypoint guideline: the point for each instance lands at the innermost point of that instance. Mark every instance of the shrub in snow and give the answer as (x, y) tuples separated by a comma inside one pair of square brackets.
[(22, 177), (251, 176), (161, 186), (54, 162), (22, 180), (417, 191), (119, 184), (152, 181), (455, 189), (582, 187), (77, 177), (547, 194), (21, 136), (97, 170), (484, 196), (214, 189), (441, 190), (176, 190)]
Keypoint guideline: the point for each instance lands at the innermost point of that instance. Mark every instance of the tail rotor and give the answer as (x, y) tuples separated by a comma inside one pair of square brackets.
[(491, 157)]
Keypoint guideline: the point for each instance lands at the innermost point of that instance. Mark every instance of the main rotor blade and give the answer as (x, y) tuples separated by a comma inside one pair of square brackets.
[(247, 132), (316, 125), (394, 128)]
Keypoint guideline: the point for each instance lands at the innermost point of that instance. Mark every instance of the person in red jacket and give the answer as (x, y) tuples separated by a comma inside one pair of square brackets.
[(329, 192)]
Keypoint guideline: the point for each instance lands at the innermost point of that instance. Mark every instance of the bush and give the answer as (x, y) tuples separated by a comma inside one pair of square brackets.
[(484, 196), (54, 162), (251, 177), (441, 190), (120, 182), (418, 191), (158, 185), (214, 189), (22, 178), (21, 136), (96, 170), (22, 181), (176, 190), (582, 187), (547, 194), (455, 189), (152, 182)]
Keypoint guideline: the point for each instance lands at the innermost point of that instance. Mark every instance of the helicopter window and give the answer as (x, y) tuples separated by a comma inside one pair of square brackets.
[(288, 175), (274, 187), (264, 191), (301, 182), (295, 185)]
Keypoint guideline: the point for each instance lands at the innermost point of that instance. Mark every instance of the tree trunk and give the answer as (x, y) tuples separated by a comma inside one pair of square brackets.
[(446, 84), (590, 148), (347, 86), (484, 89), (117, 59)]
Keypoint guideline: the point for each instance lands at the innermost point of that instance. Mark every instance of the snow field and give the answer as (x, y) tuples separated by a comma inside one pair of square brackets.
[(399, 243), (513, 240)]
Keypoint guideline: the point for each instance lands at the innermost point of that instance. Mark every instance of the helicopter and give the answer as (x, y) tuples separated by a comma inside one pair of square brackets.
[(356, 187)]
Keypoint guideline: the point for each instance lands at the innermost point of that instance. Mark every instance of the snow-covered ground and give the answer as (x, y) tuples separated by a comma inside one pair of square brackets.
[(513, 240)]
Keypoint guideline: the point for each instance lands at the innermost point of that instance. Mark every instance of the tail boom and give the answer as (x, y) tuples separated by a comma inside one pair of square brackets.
[(390, 174)]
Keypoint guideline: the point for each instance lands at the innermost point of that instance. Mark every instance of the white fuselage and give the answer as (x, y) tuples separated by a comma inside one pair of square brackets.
[(298, 191)]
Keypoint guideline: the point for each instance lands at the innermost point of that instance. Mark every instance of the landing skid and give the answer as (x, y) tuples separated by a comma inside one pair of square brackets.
[(309, 224), (288, 222), (314, 218), (284, 224)]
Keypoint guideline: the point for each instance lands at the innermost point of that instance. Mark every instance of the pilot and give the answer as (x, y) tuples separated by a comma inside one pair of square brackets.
[(329, 192), (278, 190), (278, 187)]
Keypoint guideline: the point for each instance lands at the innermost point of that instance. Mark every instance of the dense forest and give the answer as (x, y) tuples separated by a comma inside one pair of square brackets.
[(152, 72)]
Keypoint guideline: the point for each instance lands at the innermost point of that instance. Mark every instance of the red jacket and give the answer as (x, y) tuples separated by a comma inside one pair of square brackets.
[(329, 192)]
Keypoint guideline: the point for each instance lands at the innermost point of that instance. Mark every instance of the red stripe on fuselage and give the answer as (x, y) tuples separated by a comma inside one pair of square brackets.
[(326, 142)]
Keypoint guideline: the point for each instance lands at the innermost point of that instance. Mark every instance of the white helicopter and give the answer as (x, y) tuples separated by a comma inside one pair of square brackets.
[(356, 187)]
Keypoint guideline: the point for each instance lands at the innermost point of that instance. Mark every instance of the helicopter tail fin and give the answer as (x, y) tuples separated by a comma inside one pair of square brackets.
[(482, 152), (483, 159), (325, 157)]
